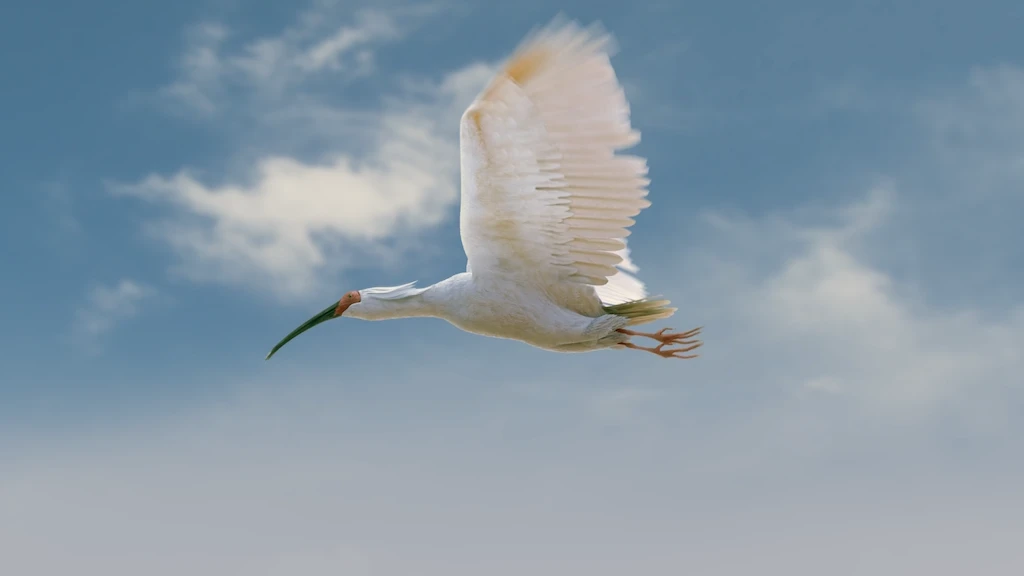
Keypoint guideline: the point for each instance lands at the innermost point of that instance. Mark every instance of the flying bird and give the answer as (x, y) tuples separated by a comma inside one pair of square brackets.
[(547, 203)]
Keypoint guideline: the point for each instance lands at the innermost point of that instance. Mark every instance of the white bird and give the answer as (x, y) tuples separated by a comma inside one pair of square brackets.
[(546, 206)]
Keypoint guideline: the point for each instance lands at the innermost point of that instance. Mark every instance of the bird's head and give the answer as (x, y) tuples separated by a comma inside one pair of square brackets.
[(335, 310)]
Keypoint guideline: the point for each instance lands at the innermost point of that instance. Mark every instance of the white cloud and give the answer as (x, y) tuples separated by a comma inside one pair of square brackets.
[(969, 188), (397, 479), (378, 177), (105, 307), (371, 26), (213, 73), (201, 68), (978, 132), (902, 305), (804, 307), (955, 152)]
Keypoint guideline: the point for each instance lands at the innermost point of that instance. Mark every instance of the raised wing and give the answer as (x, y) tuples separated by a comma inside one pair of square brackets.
[(544, 194), (623, 286)]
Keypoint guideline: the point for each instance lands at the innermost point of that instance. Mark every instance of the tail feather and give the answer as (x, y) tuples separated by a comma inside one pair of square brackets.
[(642, 311)]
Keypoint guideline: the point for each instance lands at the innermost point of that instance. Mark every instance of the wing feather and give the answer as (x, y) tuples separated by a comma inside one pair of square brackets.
[(544, 194), (622, 287)]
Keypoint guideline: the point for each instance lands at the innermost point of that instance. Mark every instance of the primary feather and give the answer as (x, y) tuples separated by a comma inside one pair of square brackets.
[(545, 196), (622, 286)]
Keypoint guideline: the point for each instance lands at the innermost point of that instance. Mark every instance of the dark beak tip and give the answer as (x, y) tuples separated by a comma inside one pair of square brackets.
[(324, 315)]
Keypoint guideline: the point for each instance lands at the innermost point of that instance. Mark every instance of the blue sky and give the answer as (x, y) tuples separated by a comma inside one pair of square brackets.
[(836, 192)]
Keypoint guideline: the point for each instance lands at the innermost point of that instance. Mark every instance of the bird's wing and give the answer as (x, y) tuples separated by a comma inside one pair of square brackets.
[(622, 286), (545, 197)]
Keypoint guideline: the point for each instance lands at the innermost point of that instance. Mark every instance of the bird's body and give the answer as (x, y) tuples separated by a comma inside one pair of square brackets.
[(558, 317), (547, 203)]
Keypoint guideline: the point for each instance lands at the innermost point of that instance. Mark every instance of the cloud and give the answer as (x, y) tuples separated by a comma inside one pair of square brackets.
[(201, 69), (976, 140), (377, 178), (899, 305), (962, 187), (804, 307), (265, 70), (370, 27), (955, 151), (986, 114), (107, 306), (316, 478)]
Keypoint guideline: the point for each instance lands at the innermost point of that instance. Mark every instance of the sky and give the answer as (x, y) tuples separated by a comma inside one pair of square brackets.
[(836, 192)]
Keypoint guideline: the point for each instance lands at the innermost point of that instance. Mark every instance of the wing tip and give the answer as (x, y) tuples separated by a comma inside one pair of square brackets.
[(542, 44), (523, 66)]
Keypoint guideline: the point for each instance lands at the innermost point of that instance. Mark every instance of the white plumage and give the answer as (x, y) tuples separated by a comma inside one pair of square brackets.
[(547, 203)]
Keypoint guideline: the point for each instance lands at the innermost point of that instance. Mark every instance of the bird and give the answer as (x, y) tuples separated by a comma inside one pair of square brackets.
[(547, 201)]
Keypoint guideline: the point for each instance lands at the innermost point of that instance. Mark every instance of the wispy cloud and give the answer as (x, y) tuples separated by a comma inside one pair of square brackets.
[(803, 306), (298, 217), (212, 71), (980, 129), (105, 307), (962, 191), (201, 69), (900, 304), (370, 27)]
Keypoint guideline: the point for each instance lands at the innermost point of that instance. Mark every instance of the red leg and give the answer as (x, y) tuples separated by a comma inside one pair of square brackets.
[(662, 337), (660, 351)]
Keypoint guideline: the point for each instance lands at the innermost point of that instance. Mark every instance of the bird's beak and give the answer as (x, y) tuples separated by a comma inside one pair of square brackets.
[(332, 311)]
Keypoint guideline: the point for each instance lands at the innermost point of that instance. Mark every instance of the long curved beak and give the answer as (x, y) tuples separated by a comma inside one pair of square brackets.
[(325, 315)]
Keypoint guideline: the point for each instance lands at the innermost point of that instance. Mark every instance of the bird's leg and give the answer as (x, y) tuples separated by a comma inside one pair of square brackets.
[(663, 338), (660, 351)]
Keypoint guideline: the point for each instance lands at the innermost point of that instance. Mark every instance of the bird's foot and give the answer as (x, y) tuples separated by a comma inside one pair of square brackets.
[(667, 339), (667, 353)]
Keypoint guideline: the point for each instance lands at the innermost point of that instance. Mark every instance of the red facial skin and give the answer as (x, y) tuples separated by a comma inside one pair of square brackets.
[(346, 301)]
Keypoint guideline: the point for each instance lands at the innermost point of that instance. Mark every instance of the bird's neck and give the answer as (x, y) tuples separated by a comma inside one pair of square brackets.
[(424, 304)]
